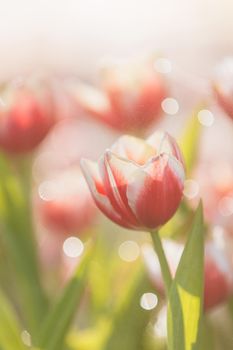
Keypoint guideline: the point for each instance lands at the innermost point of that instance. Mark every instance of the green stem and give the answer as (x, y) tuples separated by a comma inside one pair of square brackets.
[(166, 273)]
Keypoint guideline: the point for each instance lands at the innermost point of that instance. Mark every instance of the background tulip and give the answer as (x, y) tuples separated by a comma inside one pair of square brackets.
[(27, 114), (130, 98), (138, 184), (65, 204)]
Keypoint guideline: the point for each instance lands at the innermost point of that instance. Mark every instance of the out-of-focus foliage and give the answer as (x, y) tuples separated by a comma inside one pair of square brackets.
[(63, 312), (10, 327)]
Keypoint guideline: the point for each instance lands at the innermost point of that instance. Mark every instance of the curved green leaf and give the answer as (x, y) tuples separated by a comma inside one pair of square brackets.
[(58, 321), (186, 294)]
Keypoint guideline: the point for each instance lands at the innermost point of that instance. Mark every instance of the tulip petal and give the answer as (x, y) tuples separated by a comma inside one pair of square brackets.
[(162, 142), (116, 173), (133, 148), (155, 191), (96, 186), (122, 171)]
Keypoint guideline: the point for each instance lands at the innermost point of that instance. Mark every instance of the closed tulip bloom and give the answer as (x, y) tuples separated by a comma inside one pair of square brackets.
[(135, 93), (26, 116), (138, 184), (129, 100)]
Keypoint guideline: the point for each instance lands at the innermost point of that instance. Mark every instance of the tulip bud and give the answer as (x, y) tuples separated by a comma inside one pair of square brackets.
[(65, 204), (135, 93), (218, 284), (130, 99), (26, 116), (138, 184)]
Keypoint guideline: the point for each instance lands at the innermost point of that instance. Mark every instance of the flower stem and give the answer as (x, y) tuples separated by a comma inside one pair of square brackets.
[(166, 273)]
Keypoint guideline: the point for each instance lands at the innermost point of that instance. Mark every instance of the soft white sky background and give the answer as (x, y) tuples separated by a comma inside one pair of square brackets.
[(73, 34)]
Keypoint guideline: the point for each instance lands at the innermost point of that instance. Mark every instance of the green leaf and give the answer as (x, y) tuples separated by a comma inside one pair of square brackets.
[(59, 319), (10, 332), (101, 301), (89, 338), (186, 294), (19, 242), (189, 141)]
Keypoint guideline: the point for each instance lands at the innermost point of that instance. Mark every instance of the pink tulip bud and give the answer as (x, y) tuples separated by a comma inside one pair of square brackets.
[(130, 99), (65, 204), (223, 86), (26, 116), (138, 184), (217, 271)]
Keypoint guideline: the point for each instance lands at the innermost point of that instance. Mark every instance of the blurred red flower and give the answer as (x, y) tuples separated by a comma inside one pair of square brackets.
[(27, 112), (65, 204), (130, 98)]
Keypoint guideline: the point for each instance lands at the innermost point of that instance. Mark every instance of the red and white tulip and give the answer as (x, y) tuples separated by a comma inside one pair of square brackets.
[(138, 184)]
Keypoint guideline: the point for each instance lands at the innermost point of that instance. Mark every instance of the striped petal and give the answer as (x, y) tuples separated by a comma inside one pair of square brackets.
[(133, 148), (116, 173), (162, 142), (96, 186), (155, 191)]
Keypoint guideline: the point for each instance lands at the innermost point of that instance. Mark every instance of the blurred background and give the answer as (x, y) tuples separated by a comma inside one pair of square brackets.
[(75, 48)]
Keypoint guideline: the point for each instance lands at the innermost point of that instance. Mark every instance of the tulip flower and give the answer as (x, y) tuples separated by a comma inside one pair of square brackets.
[(138, 184), (65, 204), (223, 86), (26, 116), (130, 99), (218, 282)]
